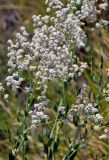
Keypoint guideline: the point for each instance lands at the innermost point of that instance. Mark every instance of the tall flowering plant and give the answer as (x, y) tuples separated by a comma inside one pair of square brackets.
[(46, 69)]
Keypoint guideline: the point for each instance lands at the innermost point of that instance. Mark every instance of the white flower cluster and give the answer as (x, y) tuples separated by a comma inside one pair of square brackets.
[(105, 92), (37, 114), (86, 110), (88, 9), (50, 54), (51, 47), (14, 81), (103, 5), (55, 4), (1, 87)]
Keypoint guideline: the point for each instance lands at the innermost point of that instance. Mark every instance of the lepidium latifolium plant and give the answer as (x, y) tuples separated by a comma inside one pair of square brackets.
[(59, 86)]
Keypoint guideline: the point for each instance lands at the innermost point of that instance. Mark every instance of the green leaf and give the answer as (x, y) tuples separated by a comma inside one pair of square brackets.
[(101, 66), (72, 156), (40, 138), (50, 142), (56, 145), (50, 155), (79, 91), (11, 156), (46, 149), (75, 120), (65, 85)]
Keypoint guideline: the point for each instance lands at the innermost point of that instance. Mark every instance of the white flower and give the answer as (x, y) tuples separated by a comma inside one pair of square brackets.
[(1, 87), (107, 99), (103, 5), (62, 109), (99, 117), (96, 128), (106, 130), (6, 96), (103, 136)]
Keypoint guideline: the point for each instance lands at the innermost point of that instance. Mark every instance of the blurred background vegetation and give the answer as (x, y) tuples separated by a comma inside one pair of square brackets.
[(13, 14)]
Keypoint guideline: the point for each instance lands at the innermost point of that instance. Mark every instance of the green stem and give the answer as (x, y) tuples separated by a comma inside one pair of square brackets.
[(51, 135)]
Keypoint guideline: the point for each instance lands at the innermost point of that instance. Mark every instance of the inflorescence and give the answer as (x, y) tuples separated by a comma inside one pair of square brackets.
[(50, 54)]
